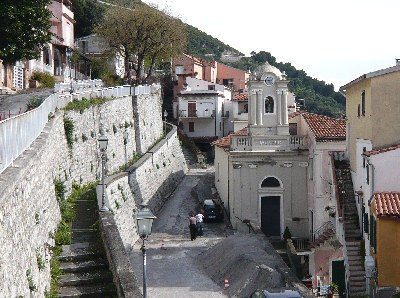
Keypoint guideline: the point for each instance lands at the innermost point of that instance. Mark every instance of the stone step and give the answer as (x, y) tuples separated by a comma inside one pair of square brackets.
[(84, 235), (353, 263), (96, 291), (353, 268), (89, 265), (353, 257), (358, 279), (80, 251), (84, 278)]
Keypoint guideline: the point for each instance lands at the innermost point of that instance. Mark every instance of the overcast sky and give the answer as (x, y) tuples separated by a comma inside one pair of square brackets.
[(335, 41)]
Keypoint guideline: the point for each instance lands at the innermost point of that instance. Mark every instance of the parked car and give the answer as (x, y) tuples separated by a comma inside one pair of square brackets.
[(212, 211), (275, 294)]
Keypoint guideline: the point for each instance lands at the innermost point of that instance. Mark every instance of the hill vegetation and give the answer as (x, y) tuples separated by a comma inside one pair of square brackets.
[(319, 96)]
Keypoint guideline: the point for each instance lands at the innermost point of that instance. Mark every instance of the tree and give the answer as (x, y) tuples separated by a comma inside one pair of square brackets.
[(142, 32), (24, 29), (87, 13)]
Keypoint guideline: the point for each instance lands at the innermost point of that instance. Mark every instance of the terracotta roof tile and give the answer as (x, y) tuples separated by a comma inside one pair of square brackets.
[(381, 150), (326, 128), (387, 203), (294, 114), (241, 97), (226, 141)]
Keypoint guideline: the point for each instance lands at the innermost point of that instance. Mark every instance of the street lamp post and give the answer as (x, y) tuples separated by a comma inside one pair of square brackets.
[(103, 142), (126, 135), (165, 124), (69, 55), (144, 222)]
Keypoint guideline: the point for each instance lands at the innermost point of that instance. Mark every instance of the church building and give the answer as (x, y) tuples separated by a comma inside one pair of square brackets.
[(261, 170)]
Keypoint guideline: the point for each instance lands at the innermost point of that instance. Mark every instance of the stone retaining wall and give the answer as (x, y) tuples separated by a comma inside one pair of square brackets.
[(29, 212), (152, 179)]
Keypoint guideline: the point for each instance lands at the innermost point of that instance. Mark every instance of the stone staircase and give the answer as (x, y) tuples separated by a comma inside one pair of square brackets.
[(84, 262), (357, 280), (190, 157)]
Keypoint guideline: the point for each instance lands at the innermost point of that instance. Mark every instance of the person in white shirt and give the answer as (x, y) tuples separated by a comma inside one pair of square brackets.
[(199, 218)]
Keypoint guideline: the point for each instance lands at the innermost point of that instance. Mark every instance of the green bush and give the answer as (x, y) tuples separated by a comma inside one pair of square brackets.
[(33, 103), (111, 80), (81, 105), (69, 130), (45, 79)]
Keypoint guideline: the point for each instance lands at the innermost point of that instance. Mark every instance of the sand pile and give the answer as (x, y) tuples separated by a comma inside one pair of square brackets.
[(250, 263)]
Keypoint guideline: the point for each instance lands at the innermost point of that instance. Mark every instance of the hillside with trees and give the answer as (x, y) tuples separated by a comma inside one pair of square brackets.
[(319, 96)]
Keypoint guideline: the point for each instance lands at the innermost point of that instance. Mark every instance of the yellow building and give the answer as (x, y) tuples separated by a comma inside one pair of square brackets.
[(385, 237), (372, 110)]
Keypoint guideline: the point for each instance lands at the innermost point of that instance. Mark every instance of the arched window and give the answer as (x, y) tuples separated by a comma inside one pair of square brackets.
[(270, 182), (269, 105)]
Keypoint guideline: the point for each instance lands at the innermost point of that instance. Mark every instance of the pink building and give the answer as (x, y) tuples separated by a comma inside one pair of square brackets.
[(324, 135), (53, 58), (214, 72)]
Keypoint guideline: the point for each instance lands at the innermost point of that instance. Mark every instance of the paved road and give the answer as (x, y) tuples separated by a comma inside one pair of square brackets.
[(14, 103), (175, 272)]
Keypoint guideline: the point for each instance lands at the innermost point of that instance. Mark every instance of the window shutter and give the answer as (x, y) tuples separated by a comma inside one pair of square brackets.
[(366, 223)]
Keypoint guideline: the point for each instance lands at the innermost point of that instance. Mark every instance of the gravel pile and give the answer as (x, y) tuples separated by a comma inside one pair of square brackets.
[(250, 263)]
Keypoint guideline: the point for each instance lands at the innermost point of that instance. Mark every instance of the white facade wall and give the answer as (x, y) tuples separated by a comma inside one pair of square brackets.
[(197, 85)]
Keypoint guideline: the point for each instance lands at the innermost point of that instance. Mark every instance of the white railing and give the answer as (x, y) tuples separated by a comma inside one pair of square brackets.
[(78, 85), (17, 133), (262, 143)]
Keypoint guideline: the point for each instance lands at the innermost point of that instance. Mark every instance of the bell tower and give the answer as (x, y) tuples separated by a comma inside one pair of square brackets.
[(268, 112)]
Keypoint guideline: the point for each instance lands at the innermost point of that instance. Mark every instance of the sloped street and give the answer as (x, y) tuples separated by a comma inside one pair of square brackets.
[(175, 272)]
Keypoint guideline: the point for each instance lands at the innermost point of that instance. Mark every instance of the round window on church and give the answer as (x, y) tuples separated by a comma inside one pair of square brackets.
[(269, 105)]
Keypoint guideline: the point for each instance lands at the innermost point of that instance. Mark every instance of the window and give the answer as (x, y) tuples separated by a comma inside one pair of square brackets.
[(372, 232), (191, 126), (269, 105), (211, 87), (227, 82), (366, 223), (270, 182), (363, 157), (367, 168), (293, 129), (359, 111), (363, 103), (246, 108)]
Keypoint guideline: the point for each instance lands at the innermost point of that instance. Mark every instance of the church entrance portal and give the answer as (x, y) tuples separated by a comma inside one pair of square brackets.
[(270, 215)]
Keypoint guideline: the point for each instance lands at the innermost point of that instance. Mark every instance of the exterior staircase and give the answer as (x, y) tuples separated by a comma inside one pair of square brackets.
[(84, 262), (353, 237), (190, 158), (322, 234)]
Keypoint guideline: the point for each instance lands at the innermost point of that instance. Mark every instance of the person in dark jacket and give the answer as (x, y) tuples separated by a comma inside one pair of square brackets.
[(192, 226)]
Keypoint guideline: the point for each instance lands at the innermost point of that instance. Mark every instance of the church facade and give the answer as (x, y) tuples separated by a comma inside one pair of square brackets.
[(261, 170)]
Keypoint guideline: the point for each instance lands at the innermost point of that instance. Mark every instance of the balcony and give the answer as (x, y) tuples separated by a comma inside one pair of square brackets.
[(206, 114), (268, 143)]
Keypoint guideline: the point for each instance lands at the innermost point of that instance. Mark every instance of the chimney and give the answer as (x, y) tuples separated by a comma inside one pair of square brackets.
[(397, 61)]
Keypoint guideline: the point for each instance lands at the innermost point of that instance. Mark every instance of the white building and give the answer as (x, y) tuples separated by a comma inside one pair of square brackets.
[(94, 46), (261, 171), (204, 109)]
